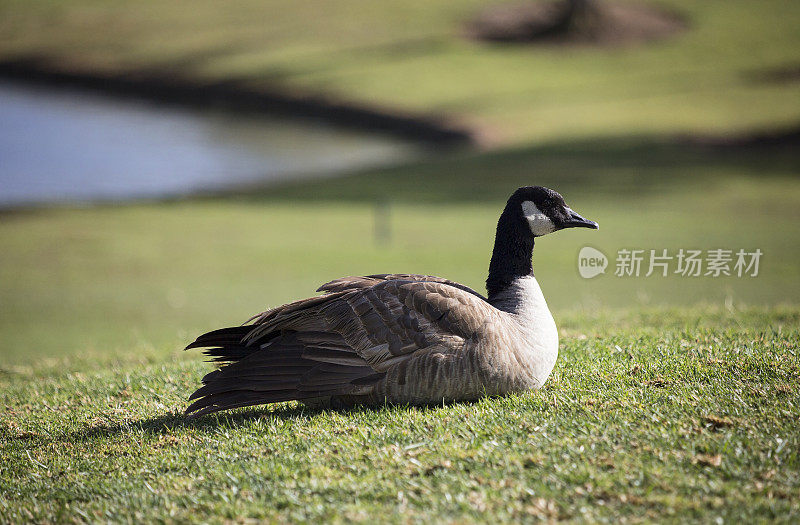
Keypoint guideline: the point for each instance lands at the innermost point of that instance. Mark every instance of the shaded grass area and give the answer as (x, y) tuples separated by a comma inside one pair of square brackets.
[(631, 166), (651, 414), (414, 57)]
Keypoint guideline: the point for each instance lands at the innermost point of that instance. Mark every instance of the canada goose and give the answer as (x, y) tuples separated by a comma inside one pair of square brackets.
[(401, 338)]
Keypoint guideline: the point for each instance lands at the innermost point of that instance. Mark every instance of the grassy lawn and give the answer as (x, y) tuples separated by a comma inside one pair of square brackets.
[(650, 415), (411, 56), (674, 398), (108, 279)]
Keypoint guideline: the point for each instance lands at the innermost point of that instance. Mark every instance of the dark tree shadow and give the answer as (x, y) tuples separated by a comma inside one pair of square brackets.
[(603, 167), (570, 22)]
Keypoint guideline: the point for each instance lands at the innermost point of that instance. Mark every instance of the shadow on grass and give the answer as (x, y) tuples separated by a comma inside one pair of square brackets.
[(167, 423), (626, 165)]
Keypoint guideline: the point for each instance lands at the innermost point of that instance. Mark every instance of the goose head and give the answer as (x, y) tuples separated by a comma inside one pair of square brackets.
[(531, 211), (544, 211)]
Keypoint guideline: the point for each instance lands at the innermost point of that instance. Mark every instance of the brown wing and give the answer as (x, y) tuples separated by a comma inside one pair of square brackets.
[(398, 316), (359, 282), (336, 344)]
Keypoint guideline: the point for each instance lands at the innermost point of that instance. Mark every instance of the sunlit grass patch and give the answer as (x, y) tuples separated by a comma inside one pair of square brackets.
[(686, 421)]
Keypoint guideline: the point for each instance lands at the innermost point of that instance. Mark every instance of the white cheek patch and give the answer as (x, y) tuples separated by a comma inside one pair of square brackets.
[(539, 222)]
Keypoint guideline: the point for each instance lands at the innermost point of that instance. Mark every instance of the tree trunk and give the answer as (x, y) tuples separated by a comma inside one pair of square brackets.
[(578, 16)]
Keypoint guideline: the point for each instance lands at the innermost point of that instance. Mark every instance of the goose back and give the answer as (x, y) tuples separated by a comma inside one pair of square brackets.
[(371, 339)]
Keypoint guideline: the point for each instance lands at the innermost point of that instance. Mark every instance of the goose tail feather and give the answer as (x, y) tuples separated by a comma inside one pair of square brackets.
[(286, 366)]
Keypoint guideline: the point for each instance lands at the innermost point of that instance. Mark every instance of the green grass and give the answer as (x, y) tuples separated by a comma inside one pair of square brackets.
[(411, 56), (673, 399), (650, 415), (148, 277)]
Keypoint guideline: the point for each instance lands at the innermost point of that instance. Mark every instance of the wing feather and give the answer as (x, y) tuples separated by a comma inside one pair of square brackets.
[(339, 343), (362, 282)]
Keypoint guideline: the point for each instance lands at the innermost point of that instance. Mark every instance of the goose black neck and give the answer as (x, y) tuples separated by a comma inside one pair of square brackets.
[(511, 257)]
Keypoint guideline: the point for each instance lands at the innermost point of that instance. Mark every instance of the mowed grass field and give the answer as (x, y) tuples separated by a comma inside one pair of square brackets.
[(660, 416), (716, 77), (673, 399)]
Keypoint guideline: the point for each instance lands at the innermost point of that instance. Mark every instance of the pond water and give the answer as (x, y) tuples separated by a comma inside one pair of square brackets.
[(61, 145)]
